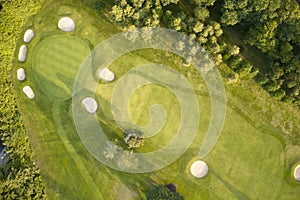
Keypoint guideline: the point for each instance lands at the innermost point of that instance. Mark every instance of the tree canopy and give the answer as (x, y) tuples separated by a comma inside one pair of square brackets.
[(161, 192), (273, 26)]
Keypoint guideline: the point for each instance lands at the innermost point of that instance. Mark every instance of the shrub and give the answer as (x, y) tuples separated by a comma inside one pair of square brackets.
[(161, 192), (134, 138)]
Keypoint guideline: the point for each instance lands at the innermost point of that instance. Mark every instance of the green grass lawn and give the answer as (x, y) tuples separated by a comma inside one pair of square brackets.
[(56, 60), (252, 160)]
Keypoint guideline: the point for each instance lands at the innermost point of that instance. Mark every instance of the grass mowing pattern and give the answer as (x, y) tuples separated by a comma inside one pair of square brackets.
[(247, 162), (56, 61)]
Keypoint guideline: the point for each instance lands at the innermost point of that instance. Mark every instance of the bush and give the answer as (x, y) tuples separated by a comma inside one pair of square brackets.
[(134, 138), (163, 193)]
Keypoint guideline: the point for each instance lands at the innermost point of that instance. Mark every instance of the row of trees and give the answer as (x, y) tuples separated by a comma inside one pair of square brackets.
[(20, 177), (273, 26), (191, 18)]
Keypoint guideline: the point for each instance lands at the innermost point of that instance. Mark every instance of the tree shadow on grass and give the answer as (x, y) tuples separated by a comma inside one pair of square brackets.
[(236, 192)]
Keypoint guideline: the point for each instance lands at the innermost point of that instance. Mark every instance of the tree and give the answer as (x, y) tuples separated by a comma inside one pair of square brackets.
[(163, 193), (230, 18), (201, 13), (117, 13), (167, 2), (234, 50), (198, 27), (204, 3), (279, 94), (133, 138)]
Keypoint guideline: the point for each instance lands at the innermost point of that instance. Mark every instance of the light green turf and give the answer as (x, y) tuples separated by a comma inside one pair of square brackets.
[(56, 60), (252, 159)]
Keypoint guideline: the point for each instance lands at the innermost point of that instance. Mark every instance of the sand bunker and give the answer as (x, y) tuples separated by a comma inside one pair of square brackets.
[(66, 24), (199, 169), (90, 104), (29, 34), (22, 53), (297, 173), (106, 75), (29, 92), (21, 74)]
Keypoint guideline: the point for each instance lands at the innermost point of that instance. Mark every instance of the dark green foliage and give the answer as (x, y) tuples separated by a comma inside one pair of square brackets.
[(194, 22), (139, 13), (19, 178), (201, 13), (273, 26), (204, 3), (163, 193)]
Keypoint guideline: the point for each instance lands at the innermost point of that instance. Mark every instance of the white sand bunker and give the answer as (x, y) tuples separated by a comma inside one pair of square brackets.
[(29, 92), (106, 75), (22, 53), (297, 173), (66, 24), (21, 74), (90, 104), (28, 35), (199, 169)]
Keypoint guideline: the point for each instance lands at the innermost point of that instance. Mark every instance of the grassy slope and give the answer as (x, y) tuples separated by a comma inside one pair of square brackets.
[(246, 162)]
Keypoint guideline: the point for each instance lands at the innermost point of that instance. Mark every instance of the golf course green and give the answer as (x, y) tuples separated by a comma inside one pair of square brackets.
[(55, 64), (253, 158)]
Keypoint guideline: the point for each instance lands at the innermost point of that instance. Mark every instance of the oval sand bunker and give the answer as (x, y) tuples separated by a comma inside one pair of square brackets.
[(106, 75), (21, 74), (90, 104), (199, 169), (29, 92), (28, 35), (22, 53), (297, 173), (66, 24)]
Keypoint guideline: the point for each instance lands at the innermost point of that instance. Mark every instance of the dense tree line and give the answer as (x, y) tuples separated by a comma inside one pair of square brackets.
[(191, 18), (20, 177), (273, 26)]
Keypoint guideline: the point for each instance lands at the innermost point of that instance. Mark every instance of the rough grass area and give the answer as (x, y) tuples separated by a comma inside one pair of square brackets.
[(250, 161)]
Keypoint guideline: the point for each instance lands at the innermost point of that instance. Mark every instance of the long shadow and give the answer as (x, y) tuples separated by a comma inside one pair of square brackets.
[(236, 192), (136, 183)]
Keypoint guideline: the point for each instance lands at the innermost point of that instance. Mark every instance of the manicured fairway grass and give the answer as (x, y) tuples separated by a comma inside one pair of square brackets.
[(248, 162), (56, 60)]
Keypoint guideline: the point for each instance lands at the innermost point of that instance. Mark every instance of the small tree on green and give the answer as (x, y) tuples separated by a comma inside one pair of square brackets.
[(133, 138)]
